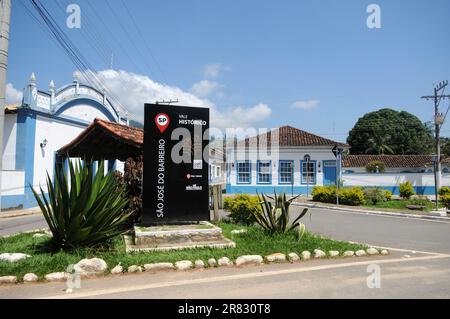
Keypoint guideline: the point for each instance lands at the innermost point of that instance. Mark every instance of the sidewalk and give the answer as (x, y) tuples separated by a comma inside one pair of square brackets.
[(20, 212), (367, 210)]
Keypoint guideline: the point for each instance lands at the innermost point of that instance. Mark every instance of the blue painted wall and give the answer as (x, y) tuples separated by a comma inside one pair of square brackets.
[(25, 144), (252, 189)]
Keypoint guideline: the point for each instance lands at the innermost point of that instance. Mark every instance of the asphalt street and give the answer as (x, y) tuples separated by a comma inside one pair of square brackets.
[(13, 225), (418, 267)]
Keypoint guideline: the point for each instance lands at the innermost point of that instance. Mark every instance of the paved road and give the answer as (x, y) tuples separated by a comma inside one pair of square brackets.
[(399, 232), (12, 225), (421, 270)]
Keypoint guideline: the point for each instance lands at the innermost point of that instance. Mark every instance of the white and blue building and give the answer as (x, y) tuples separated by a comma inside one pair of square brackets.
[(301, 160), (297, 162), (38, 127), (416, 169)]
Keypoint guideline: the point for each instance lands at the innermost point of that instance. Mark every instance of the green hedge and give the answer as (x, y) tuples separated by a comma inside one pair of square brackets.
[(406, 190), (444, 190), (444, 196), (324, 194), (240, 207), (352, 196)]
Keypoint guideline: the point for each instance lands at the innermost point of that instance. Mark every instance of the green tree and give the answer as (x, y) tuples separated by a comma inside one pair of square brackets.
[(378, 144), (445, 146), (387, 131)]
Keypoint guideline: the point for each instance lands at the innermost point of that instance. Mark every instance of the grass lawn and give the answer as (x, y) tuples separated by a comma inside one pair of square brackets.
[(255, 241)]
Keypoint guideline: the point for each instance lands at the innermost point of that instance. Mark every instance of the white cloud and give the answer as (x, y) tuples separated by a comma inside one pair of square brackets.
[(134, 90), (243, 117), (213, 70), (305, 105), (205, 88), (13, 96)]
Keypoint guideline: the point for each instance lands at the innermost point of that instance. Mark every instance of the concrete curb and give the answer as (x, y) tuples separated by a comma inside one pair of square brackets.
[(372, 212), (19, 213), (188, 265)]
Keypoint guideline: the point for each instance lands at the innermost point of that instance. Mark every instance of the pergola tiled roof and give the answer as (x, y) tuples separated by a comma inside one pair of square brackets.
[(106, 140), (290, 136), (394, 161)]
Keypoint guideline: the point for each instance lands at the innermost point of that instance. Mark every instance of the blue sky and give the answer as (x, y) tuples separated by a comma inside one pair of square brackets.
[(252, 60)]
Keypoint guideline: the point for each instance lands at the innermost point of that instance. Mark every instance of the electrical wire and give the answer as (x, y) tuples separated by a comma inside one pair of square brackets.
[(73, 52), (129, 37), (144, 40)]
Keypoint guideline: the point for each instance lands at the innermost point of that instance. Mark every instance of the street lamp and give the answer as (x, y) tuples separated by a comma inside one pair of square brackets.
[(435, 160)]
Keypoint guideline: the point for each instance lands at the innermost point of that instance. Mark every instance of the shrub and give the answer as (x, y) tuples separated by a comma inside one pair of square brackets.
[(324, 194), (388, 195), (445, 200), (348, 196), (444, 190), (86, 211), (133, 185), (371, 167), (406, 190), (241, 207), (374, 195), (352, 196), (131, 181), (274, 215)]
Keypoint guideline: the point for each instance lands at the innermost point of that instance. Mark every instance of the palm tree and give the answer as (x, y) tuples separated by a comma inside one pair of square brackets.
[(379, 145)]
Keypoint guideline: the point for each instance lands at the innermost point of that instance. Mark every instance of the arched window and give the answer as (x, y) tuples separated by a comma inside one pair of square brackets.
[(308, 170)]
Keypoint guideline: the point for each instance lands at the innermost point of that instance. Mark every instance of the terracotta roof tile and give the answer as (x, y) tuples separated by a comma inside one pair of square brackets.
[(291, 136), (107, 140), (128, 133), (398, 161)]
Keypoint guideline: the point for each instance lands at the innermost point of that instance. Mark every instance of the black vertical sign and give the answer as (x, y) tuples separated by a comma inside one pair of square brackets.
[(175, 185)]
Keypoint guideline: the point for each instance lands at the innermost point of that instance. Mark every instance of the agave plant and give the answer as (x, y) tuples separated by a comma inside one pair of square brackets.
[(274, 215), (85, 211)]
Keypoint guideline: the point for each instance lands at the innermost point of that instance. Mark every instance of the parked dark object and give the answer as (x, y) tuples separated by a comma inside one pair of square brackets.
[(416, 207)]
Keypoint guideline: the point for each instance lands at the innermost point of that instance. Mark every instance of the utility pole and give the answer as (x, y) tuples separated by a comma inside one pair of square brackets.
[(438, 121), (168, 102), (5, 11), (337, 151)]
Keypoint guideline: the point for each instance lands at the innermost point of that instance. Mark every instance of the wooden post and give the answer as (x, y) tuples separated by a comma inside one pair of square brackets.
[(219, 190), (216, 203)]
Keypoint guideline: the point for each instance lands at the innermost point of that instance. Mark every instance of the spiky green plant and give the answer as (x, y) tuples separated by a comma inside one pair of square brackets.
[(274, 215), (85, 211)]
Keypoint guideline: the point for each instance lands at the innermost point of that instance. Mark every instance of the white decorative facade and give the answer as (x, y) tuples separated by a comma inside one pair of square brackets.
[(40, 126)]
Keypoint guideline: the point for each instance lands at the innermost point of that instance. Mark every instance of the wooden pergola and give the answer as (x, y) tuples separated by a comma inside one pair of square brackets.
[(106, 140), (103, 140)]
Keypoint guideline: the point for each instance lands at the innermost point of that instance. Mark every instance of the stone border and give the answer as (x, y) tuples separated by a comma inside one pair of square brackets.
[(163, 233), (130, 247), (186, 265)]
